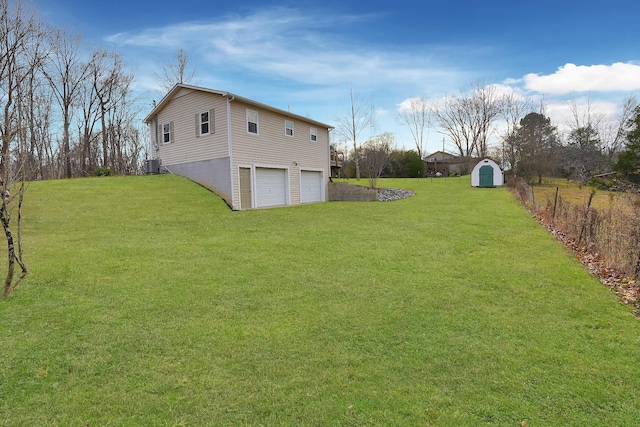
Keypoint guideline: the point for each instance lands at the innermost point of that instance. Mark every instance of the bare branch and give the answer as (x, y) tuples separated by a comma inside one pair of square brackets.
[(415, 114), (66, 72), (468, 119), (20, 54), (376, 156), (351, 125), (172, 73)]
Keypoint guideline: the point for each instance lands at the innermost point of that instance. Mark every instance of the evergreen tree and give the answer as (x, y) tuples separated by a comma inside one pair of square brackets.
[(535, 146), (628, 163)]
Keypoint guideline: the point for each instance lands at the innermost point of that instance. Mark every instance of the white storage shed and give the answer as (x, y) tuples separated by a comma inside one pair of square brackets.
[(487, 173)]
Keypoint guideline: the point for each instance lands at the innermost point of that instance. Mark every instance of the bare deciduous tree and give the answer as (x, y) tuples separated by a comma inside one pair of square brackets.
[(583, 154), (175, 72), (20, 55), (488, 104), (125, 143), (35, 105), (66, 72), (613, 131), (415, 114), (111, 84), (468, 118), (351, 125), (514, 108), (376, 156), (89, 106), (584, 115)]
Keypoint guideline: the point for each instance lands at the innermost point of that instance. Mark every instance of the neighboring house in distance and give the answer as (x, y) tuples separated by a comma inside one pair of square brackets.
[(443, 163), (250, 154)]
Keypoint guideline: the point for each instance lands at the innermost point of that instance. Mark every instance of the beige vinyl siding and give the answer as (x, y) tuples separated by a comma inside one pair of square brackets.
[(271, 147), (186, 146)]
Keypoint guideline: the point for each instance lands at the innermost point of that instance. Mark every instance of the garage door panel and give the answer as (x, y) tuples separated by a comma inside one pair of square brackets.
[(271, 187), (310, 186)]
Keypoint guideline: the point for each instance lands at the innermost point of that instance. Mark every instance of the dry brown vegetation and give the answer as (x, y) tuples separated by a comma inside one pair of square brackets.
[(602, 228)]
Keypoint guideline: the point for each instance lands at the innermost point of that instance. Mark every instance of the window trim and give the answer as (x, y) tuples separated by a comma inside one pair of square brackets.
[(169, 132), (313, 134), (257, 122), (211, 123), (201, 123), (288, 127)]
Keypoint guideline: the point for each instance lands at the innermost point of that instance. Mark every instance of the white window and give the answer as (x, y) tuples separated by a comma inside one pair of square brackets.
[(166, 130), (205, 124), (313, 134), (288, 127), (252, 121)]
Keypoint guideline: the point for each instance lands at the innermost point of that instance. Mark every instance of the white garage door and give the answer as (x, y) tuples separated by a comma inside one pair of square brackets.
[(310, 186), (271, 187)]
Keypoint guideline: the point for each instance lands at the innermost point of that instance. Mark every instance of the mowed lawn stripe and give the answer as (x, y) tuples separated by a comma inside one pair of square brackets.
[(150, 303)]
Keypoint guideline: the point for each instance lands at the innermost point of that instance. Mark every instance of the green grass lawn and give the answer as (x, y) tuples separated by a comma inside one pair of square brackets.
[(150, 303)]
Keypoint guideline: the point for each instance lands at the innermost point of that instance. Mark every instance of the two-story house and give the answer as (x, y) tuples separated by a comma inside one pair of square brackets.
[(250, 154)]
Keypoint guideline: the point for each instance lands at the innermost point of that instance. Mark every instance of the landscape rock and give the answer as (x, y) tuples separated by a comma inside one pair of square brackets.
[(391, 194)]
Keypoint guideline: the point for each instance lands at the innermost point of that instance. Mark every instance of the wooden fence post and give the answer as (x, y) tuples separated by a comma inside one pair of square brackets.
[(555, 203), (586, 217), (533, 198)]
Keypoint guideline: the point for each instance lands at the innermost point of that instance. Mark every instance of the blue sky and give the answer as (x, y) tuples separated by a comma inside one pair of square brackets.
[(306, 55)]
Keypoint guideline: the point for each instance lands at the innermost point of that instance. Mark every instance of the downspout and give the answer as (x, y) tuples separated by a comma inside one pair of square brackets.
[(229, 142), (155, 148), (329, 179)]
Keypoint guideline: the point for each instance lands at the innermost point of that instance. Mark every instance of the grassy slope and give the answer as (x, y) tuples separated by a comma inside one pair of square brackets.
[(150, 303)]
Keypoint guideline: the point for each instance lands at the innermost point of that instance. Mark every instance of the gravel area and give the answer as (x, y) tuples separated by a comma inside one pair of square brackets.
[(391, 194)]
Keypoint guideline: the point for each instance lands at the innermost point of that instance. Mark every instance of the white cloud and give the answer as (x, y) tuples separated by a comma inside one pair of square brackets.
[(381, 112), (512, 81), (586, 78), (411, 104), (287, 44), (506, 89), (562, 113)]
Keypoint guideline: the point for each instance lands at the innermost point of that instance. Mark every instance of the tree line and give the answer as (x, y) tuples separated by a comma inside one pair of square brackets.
[(66, 109), (592, 146), (484, 121)]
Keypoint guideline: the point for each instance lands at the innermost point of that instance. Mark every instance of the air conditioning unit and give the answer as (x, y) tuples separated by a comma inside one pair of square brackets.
[(152, 166)]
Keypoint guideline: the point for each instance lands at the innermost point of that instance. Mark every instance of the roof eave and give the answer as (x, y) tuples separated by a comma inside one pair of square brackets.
[(179, 86)]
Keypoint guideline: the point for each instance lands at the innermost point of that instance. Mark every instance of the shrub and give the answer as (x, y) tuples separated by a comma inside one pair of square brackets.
[(102, 172), (600, 183)]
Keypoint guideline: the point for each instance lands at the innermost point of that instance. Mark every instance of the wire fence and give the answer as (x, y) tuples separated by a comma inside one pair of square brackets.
[(610, 233)]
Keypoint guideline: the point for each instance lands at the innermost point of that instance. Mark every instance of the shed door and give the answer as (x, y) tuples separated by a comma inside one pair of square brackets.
[(486, 176), (271, 187), (310, 186)]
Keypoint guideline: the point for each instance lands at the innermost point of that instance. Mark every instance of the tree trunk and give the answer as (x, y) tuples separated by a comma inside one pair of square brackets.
[(105, 137), (11, 251), (5, 217), (66, 150)]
